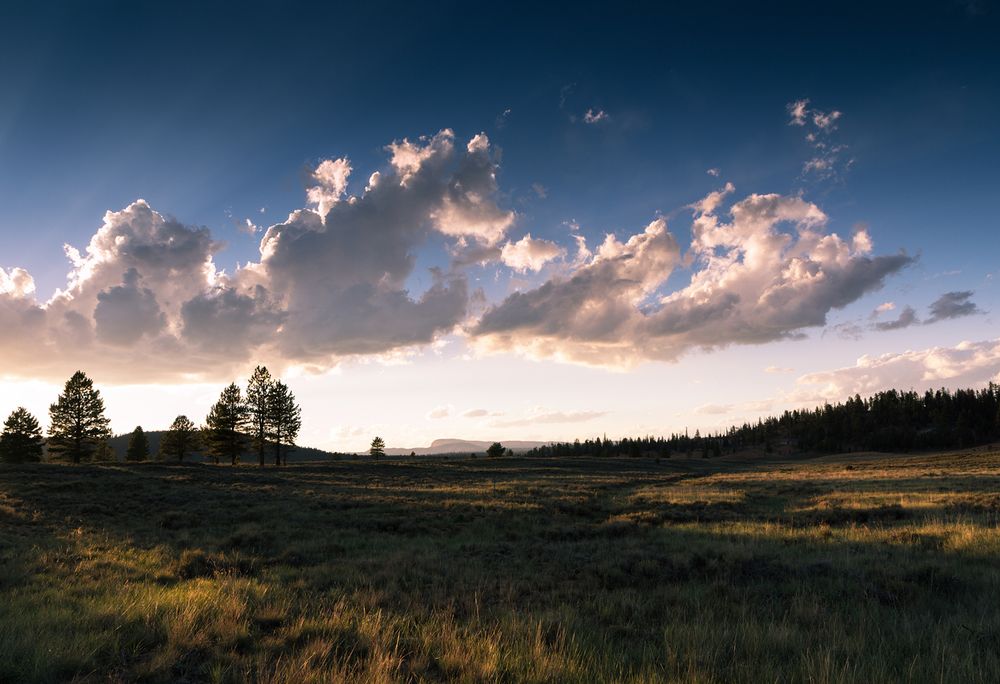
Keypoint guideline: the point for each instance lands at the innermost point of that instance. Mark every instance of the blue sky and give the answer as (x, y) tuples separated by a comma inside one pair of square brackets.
[(213, 112)]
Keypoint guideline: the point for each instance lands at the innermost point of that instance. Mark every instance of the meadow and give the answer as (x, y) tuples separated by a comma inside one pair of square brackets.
[(860, 568)]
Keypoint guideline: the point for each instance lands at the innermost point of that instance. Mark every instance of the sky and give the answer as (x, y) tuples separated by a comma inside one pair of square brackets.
[(516, 222)]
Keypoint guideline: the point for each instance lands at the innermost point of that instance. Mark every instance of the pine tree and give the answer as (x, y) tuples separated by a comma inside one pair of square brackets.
[(284, 419), (21, 440), (104, 452), (496, 450), (258, 405), (180, 440), (377, 449), (77, 422), (138, 446), (225, 427)]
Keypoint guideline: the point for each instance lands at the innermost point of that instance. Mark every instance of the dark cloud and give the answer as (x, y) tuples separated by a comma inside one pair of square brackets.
[(906, 318), (953, 305), (126, 313)]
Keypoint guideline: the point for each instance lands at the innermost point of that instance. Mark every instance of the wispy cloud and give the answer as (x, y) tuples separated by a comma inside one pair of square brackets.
[(550, 418), (828, 160)]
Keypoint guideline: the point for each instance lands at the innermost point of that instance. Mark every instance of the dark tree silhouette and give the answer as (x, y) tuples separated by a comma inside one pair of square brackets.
[(377, 449), (496, 450), (21, 441), (887, 421), (258, 406), (76, 421), (138, 446), (225, 427), (180, 440), (284, 420), (104, 452)]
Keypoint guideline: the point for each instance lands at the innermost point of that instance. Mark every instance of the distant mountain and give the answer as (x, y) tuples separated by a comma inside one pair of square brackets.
[(120, 443), (462, 446)]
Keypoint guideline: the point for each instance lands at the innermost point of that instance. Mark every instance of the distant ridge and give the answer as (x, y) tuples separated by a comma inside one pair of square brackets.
[(119, 443), (463, 446)]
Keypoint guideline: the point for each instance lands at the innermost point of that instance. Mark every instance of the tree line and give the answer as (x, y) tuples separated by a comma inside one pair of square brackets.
[(265, 417), (886, 421)]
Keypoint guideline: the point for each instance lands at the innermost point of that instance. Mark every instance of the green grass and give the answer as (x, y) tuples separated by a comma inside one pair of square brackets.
[(863, 569)]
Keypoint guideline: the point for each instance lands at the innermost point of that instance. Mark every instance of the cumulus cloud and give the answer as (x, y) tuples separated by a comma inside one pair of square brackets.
[(953, 305), (530, 254), (16, 283), (466, 208), (967, 364), (144, 297), (330, 184), (751, 283), (125, 313)]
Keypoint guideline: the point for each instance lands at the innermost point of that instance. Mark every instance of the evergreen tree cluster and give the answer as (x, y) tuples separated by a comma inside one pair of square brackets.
[(268, 417), (886, 421)]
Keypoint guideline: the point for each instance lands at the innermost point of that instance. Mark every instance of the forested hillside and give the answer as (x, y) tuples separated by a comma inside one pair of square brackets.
[(887, 421)]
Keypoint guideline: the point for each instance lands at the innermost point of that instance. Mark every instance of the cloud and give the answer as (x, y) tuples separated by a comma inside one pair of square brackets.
[(16, 283), (828, 160), (145, 299), (466, 208), (595, 116), (714, 409), (475, 413), (540, 190), (127, 312), (530, 254), (952, 305), (330, 184), (882, 308), (779, 369), (713, 172), (797, 110), (550, 418), (439, 412), (967, 364), (907, 317), (725, 409), (247, 226), (825, 121), (751, 283)]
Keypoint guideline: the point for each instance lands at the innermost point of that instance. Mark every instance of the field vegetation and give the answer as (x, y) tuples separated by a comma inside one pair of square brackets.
[(860, 568)]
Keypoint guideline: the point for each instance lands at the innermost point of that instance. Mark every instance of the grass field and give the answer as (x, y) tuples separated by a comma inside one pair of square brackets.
[(866, 569)]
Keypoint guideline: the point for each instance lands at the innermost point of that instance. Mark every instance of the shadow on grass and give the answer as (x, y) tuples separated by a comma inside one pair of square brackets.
[(561, 548)]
